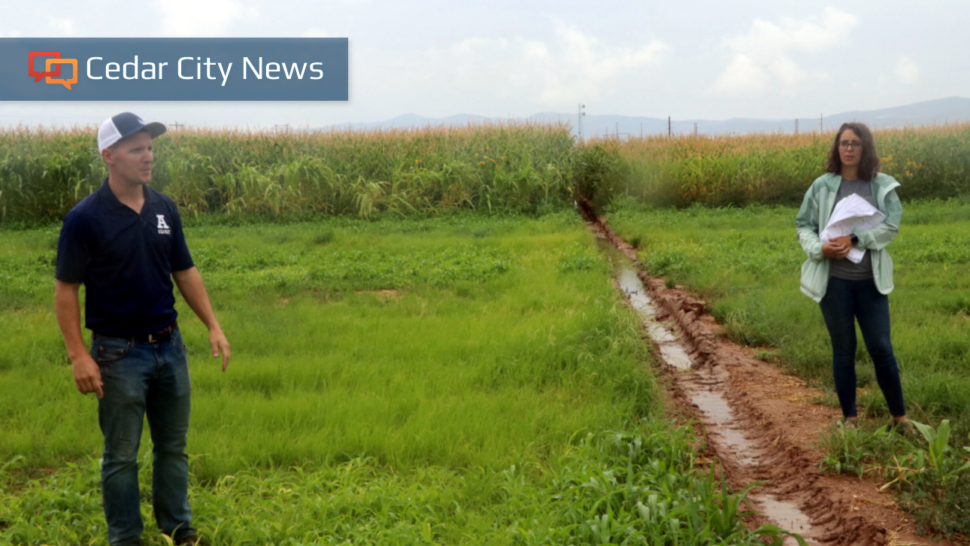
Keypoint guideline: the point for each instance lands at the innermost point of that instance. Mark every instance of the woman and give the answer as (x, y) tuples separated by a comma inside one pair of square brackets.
[(846, 291)]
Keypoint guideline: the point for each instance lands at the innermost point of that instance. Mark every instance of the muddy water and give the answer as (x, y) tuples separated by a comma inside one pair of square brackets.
[(715, 407), (626, 275), (723, 426)]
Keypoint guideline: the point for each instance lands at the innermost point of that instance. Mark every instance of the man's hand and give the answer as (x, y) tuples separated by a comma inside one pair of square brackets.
[(836, 250), (87, 375), (219, 344), (190, 285)]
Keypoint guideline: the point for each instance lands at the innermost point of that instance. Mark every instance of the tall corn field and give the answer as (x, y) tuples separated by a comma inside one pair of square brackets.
[(495, 167), (929, 162)]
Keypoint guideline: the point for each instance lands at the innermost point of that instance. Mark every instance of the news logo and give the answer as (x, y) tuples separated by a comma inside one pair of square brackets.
[(174, 69), (53, 58)]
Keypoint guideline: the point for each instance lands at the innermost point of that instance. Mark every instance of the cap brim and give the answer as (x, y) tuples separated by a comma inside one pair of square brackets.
[(155, 129)]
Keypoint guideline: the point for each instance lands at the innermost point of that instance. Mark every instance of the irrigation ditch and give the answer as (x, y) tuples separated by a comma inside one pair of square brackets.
[(760, 424)]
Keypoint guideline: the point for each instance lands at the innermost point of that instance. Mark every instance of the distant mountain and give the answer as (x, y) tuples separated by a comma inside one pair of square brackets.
[(952, 109), (408, 121), (921, 113)]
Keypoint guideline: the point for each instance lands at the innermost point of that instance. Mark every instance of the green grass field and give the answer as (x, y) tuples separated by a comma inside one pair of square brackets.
[(746, 262), (460, 380), (458, 369)]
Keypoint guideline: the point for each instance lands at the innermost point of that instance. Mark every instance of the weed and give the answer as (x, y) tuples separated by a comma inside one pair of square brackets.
[(849, 449), (926, 474), (323, 237), (766, 355), (933, 464)]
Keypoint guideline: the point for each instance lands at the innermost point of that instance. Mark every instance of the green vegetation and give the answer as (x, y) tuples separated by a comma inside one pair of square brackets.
[(455, 380), (610, 488), (775, 169), (930, 475), (467, 374), (524, 168), (360, 346), (746, 263)]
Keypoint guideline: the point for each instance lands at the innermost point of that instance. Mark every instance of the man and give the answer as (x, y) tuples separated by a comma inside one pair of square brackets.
[(124, 242)]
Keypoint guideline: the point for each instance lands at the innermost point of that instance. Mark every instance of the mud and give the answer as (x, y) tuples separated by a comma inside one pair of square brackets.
[(759, 423)]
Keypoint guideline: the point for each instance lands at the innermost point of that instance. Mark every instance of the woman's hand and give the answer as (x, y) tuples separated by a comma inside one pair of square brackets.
[(844, 240), (837, 249)]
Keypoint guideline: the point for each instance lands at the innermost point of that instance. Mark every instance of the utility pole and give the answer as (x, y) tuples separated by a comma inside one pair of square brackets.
[(177, 125), (669, 131), (796, 126), (580, 113), (617, 130), (641, 129), (695, 129)]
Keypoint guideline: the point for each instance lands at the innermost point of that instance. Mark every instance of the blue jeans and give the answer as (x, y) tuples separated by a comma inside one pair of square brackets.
[(845, 302), (144, 379)]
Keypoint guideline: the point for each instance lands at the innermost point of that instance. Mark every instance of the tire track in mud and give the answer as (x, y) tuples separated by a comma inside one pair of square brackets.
[(760, 423)]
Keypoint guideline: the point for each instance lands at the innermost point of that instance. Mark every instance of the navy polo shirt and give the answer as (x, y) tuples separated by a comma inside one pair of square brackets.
[(124, 259)]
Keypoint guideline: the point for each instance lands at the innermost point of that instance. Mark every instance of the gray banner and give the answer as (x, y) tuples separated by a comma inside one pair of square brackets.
[(173, 69)]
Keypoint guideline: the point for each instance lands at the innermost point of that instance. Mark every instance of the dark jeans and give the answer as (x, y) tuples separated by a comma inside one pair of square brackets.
[(845, 302), (144, 379)]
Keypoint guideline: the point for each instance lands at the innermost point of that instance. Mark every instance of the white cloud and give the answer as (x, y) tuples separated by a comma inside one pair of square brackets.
[(184, 18), (907, 71), (573, 66), (63, 27), (10, 34), (763, 57), (743, 74)]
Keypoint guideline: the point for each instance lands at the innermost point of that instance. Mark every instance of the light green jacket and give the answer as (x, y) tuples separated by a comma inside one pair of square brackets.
[(813, 216)]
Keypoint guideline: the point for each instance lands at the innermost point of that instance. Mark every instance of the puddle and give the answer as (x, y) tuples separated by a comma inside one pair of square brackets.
[(789, 517), (674, 355), (716, 409), (785, 514), (660, 333), (671, 350), (712, 404)]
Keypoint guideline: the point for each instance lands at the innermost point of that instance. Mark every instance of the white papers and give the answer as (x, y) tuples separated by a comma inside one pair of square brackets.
[(851, 215)]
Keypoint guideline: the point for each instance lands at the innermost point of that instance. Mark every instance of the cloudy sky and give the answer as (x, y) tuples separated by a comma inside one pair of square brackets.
[(696, 59)]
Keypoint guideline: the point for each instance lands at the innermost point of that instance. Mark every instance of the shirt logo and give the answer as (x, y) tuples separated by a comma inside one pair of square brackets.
[(163, 228)]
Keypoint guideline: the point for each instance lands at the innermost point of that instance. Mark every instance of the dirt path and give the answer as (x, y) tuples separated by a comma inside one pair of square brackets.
[(760, 423)]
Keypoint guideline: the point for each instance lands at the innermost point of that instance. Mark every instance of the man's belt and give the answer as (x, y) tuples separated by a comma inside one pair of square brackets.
[(164, 334)]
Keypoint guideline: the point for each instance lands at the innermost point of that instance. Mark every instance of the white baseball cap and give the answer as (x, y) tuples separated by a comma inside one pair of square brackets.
[(124, 125)]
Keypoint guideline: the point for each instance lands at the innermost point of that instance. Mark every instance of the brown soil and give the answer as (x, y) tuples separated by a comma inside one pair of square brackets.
[(771, 431)]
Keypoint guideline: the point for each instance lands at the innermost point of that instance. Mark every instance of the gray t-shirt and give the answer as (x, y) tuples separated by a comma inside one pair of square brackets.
[(845, 269)]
